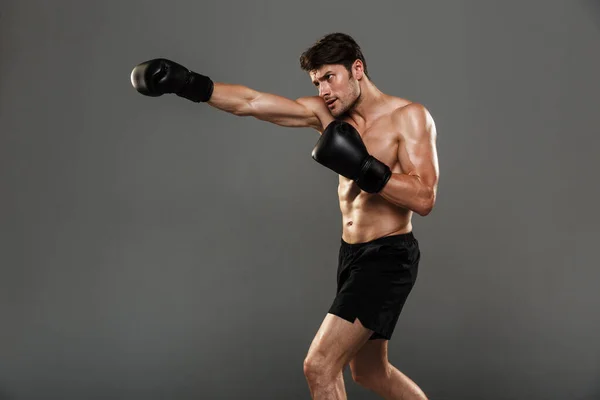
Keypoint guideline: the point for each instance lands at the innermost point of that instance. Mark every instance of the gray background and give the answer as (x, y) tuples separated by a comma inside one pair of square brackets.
[(161, 249)]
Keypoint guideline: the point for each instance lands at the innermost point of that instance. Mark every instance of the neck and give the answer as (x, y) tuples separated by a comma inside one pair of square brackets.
[(367, 105)]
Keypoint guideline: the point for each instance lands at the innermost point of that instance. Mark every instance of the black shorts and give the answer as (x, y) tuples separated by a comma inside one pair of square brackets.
[(374, 280)]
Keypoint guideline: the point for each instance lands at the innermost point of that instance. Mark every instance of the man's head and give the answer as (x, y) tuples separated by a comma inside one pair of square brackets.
[(336, 66)]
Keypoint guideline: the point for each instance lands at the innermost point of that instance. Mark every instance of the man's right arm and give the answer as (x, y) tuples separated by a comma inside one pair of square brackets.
[(305, 112)]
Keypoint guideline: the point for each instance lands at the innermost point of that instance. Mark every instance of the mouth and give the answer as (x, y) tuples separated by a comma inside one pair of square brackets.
[(330, 102)]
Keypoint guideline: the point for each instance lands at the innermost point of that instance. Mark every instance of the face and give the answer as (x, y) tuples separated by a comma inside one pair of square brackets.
[(339, 88)]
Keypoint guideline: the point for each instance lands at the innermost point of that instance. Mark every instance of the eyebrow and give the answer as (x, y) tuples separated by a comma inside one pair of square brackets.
[(322, 77)]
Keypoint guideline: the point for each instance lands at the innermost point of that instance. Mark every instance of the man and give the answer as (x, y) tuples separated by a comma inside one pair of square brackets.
[(384, 149)]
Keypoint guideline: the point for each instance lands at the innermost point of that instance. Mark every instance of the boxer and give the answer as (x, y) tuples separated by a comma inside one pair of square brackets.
[(383, 148)]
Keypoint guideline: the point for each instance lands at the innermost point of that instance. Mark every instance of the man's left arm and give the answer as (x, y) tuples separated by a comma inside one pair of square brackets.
[(415, 188)]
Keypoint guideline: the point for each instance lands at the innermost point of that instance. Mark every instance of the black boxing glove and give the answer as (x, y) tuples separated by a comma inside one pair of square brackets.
[(160, 76), (341, 149)]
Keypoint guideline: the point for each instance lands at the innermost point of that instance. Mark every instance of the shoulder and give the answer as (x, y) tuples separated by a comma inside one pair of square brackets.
[(413, 119), (318, 107), (412, 114)]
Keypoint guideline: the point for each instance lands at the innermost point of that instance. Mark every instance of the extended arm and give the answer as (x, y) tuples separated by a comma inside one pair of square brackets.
[(244, 101), (161, 76), (416, 188)]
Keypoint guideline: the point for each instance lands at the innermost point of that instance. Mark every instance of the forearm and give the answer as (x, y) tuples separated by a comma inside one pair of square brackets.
[(244, 101), (410, 192), (232, 98)]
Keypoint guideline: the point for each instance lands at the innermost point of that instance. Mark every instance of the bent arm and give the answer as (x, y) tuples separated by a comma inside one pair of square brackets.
[(244, 101), (415, 189)]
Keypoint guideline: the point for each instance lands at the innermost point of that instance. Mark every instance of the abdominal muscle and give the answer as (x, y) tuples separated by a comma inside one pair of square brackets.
[(367, 216)]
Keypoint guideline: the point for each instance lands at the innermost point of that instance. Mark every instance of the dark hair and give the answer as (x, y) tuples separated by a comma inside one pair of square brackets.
[(334, 48)]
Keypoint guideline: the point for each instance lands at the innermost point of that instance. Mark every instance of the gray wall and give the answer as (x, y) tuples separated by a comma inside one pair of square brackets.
[(161, 249)]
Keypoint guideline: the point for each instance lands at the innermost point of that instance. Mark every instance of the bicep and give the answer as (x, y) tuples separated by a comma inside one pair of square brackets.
[(417, 153), (285, 112)]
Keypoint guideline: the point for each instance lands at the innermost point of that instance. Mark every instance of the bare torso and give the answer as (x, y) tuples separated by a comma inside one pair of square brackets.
[(368, 216)]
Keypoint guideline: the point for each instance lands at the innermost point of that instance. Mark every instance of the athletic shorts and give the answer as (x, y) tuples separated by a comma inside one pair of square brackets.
[(374, 280)]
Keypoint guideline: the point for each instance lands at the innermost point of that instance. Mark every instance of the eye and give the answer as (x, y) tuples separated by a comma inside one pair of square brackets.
[(328, 76)]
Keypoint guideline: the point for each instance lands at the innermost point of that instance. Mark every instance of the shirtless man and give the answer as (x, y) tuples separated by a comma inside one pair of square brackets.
[(384, 149)]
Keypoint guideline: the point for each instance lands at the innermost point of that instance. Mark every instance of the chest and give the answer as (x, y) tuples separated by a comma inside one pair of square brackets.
[(382, 142)]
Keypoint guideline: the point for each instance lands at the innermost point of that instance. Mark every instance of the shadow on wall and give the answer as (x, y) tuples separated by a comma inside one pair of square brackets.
[(592, 7)]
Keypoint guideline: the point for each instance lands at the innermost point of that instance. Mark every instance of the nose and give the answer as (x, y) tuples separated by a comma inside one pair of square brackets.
[(324, 90)]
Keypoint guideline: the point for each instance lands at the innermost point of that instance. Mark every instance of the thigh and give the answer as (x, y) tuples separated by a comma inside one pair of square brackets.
[(337, 341), (371, 359)]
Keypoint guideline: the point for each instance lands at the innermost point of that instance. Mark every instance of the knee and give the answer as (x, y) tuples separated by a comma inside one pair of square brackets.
[(316, 368), (373, 379), (367, 381)]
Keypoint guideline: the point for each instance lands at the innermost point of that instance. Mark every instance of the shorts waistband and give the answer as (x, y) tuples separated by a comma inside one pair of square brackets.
[(408, 237)]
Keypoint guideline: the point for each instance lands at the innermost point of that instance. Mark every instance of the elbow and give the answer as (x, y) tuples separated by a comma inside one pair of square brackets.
[(247, 104), (244, 109), (424, 210), (426, 205)]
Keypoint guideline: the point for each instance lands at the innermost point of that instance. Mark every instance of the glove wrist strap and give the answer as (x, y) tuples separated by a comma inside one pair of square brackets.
[(198, 88), (373, 176)]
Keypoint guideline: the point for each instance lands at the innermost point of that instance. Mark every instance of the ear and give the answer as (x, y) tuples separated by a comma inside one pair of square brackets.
[(358, 69)]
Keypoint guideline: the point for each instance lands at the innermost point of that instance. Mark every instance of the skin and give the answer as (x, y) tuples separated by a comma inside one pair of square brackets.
[(399, 133)]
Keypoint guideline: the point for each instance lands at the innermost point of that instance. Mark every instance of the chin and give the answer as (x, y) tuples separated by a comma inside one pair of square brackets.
[(338, 112)]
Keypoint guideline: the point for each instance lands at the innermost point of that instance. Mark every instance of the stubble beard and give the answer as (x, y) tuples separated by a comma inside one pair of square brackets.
[(355, 102)]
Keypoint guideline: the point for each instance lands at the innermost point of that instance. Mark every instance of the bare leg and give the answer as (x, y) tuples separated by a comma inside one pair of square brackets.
[(372, 370), (321, 389), (334, 345)]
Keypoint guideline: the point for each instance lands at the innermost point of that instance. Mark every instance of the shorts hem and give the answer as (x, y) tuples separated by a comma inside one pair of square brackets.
[(378, 332)]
